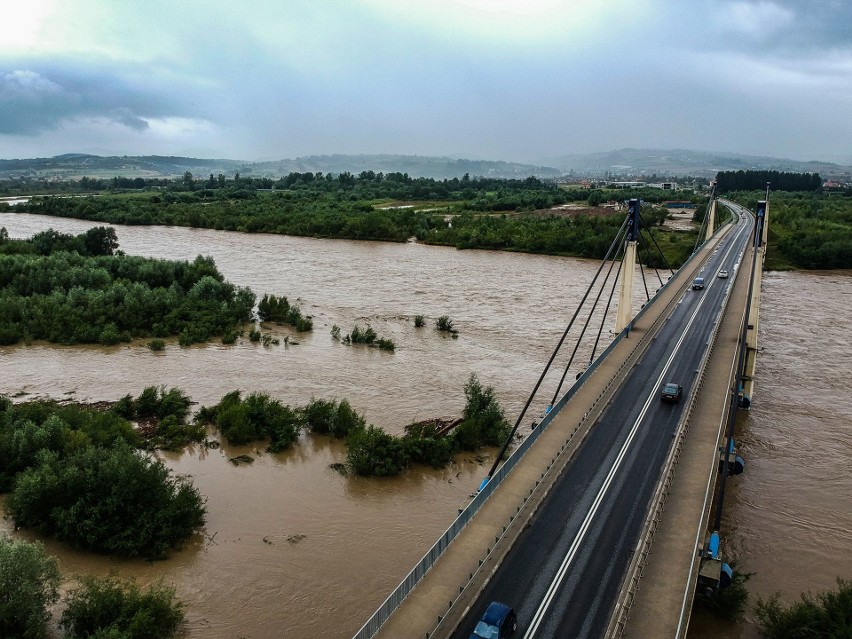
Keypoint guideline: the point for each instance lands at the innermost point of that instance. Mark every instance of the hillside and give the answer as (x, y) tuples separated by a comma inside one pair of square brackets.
[(671, 162), (74, 166)]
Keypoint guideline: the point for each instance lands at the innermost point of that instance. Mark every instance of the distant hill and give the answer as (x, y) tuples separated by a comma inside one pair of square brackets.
[(75, 165), (671, 162)]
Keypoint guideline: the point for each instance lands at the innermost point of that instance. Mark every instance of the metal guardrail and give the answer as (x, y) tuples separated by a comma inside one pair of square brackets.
[(393, 601), (639, 561)]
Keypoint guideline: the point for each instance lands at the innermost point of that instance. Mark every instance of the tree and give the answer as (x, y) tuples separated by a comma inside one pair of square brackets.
[(100, 240), (29, 582), (188, 181)]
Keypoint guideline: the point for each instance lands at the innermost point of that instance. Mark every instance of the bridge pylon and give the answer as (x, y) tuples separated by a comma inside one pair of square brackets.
[(761, 234), (624, 315)]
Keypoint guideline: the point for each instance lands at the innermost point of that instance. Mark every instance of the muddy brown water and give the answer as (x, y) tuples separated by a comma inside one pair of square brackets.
[(292, 548)]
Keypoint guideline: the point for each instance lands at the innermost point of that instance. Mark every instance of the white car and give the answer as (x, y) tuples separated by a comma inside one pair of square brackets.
[(723, 274)]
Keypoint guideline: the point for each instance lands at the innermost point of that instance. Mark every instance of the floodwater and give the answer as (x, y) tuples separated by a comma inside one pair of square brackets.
[(292, 548)]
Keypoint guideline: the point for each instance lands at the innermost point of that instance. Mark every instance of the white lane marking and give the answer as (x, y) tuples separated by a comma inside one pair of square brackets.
[(590, 515)]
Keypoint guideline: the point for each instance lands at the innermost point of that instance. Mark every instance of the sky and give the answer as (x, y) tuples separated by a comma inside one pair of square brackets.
[(515, 80)]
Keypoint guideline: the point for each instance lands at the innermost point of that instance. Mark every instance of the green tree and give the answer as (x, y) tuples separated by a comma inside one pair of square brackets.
[(117, 609), (29, 583)]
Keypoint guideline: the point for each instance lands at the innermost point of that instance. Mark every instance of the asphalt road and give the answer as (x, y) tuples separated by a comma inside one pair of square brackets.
[(563, 575)]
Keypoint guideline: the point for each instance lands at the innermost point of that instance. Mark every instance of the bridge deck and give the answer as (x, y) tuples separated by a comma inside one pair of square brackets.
[(667, 585), (431, 600)]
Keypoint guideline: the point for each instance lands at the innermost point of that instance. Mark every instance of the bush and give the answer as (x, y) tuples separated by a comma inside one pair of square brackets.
[(158, 344), (373, 452), (386, 344), (484, 422), (419, 321), (444, 323), (257, 417), (29, 582), (330, 418), (254, 335), (729, 603), (107, 500), (112, 608), (828, 614), (433, 451)]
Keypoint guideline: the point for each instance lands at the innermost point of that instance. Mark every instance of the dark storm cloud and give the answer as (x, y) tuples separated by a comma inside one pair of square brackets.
[(39, 97)]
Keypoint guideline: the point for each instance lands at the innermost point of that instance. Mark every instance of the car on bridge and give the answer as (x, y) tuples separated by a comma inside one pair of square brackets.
[(698, 284), (498, 622), (723, 274), (671, 393)]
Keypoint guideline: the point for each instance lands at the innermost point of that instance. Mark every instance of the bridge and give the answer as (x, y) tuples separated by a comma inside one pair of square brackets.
[(599, 523)]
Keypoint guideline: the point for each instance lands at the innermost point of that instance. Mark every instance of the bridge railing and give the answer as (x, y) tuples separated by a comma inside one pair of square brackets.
[(393, 601)]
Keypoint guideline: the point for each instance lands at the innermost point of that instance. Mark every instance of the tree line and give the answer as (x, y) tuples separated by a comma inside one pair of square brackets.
[(729, 181), (806, 230), (80, 289)]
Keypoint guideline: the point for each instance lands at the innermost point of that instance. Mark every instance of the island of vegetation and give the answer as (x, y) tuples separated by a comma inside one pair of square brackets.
[(80, 289), (370, 451)]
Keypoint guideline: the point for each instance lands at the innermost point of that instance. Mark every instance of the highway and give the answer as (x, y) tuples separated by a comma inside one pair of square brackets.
[(564, 573)]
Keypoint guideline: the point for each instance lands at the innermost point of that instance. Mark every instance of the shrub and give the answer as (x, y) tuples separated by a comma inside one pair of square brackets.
[(385, 344), (29, 582), (362, 336), (828, 614), (158, 344), (373, 452), (419, 321), (258, 416), (335, 332), (484, 422), (729, 603), (230, 337), (444, 323), (112, 608), (433, 451), (332, 418), (107, 500), (254, 335)]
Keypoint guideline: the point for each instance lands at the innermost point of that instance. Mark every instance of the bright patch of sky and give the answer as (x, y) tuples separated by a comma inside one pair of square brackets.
[(518, 80)]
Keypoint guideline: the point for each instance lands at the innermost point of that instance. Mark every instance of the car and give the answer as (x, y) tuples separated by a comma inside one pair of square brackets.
[(671, 393), (498, 622), (723, 274), (698, 284)]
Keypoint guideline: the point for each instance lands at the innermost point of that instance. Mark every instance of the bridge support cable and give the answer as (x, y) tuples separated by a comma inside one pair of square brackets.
[(589, 318), (743, 347), (603, 320), (644, 244), (615, 242), (704, 232), (659, 250)]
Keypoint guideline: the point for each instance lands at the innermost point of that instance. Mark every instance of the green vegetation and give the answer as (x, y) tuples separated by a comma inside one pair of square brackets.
[(729, 603), (419, 321), (370, 451), (485, 213), (110, 608), (806, 230), (727, 181), (74, 289), (367, 336), (162, 415), (373, 452), (328, 417), (828, 615), (444, 323), (29, 583), (254, 418), (279, 310), (73, 472), (111, 500)]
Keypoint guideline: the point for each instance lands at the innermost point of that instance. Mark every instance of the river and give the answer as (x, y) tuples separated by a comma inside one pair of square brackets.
[(294, 549)]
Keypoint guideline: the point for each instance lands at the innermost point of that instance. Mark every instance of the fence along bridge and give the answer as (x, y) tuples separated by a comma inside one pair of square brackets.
[(563, 528)]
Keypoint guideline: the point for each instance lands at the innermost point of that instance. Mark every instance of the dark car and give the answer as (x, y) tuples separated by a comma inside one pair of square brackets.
[(498, 622), (698, 284), (671, 392)]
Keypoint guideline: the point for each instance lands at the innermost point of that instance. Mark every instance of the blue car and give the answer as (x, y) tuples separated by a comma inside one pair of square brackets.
[(498, 622)]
